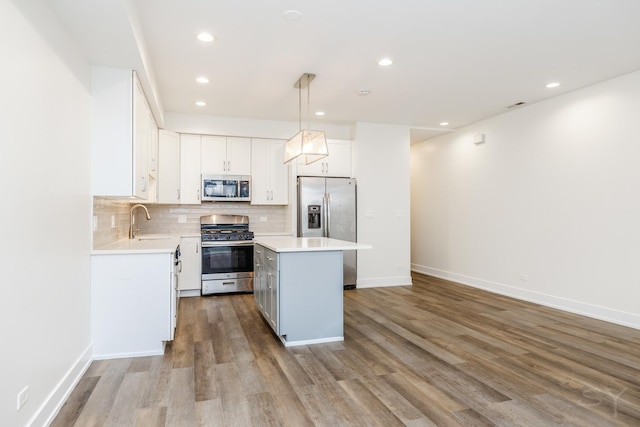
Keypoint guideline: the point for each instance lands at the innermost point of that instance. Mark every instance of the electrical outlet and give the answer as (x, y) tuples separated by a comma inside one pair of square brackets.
[(113, 221), (182, 219), (263, 218), (23, 396)]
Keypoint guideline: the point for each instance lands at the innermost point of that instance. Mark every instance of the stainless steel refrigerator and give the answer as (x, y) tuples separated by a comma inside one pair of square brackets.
[(327, 208)]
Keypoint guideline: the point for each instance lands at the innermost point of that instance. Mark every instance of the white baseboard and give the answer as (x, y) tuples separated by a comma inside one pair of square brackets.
[(159, 352), (384, 281), (190, 293), (53, 403), (585, 309)]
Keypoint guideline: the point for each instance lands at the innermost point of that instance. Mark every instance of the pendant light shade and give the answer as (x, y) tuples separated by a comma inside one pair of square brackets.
[(306, 146)]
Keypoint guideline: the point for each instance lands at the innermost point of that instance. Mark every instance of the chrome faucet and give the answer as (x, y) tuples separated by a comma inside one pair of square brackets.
[(132, 232)]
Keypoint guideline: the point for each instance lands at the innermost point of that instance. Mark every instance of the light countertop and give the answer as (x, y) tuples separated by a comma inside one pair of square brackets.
[(308, 244), (143, 244)]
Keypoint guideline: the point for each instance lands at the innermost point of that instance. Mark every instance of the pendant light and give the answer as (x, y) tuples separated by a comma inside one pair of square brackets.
[(306, 146)]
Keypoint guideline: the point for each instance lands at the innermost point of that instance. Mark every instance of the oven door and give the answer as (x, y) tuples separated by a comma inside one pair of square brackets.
[(227, 259)]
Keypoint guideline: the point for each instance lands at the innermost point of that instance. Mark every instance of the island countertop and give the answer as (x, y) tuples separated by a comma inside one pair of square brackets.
[(308, 244)]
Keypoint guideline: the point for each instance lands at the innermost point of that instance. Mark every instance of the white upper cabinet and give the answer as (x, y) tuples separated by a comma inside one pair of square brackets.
[(270, 177), (169, 167), (339, 162), (121, 126), (225, 155), (190, 181)]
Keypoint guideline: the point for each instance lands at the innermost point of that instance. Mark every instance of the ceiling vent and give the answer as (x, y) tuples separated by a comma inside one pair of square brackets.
[(517, 104)]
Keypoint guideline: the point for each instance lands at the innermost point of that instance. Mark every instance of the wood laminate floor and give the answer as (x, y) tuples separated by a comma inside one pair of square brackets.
[(433, 354)]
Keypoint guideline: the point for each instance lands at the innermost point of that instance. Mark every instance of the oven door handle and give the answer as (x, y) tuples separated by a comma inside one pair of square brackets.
[(227, 243)]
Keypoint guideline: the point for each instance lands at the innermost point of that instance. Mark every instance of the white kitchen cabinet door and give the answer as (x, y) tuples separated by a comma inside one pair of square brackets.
[(168, 167), (214, 155), (338, 163), (223, 155), (119, 134), (190, 181), (141, 142), (238, 156), (190, 278), (269, 176), (153, 146)]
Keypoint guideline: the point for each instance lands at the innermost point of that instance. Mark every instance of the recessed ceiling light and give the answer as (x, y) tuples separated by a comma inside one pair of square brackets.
[(385, 62), (292, 15), (201, 103), (319, 113), (444, 123), (363, 92), (205, 37), (202, 79), (553, 84)]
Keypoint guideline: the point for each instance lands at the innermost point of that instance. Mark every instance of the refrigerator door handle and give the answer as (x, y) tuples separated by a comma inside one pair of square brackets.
[(328, 215)]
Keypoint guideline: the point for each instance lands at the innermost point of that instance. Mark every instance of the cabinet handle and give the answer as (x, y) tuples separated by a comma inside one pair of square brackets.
[(229, 166), (144, 183), (198, 193), (179, 266), (178, 194), (197, 248)]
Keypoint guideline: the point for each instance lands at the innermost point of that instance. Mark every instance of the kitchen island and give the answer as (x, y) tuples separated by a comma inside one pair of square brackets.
[(298, 287)]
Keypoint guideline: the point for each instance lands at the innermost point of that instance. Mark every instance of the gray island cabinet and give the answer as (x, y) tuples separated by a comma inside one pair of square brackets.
[(298, 287)]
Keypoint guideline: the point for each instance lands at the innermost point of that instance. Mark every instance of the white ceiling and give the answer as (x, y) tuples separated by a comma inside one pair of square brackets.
[(454, 60)]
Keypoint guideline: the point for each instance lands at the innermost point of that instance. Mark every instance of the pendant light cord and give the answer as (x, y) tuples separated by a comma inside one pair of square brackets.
[(299, 106)]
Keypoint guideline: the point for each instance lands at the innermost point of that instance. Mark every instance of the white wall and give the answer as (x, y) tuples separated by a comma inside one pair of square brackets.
[(45, 240), (382, 165), (547, 210)]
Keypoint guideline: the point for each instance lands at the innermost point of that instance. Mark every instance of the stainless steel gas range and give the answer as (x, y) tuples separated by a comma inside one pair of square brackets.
[(227, 254)]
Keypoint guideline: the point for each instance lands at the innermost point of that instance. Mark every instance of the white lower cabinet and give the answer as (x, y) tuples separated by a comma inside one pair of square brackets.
[(190, 277), (133, 304)]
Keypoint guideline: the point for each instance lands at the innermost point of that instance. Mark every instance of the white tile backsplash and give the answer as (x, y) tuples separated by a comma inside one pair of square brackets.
[(165, 219)]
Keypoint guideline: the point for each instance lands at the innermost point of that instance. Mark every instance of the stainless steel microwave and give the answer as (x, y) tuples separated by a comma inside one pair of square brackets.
[(226, 188)]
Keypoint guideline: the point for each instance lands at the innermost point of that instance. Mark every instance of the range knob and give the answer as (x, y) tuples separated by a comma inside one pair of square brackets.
[(228, 237)]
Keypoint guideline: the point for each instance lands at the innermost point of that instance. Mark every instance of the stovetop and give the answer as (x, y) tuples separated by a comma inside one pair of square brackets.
[(209, 235), (225, 227)]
